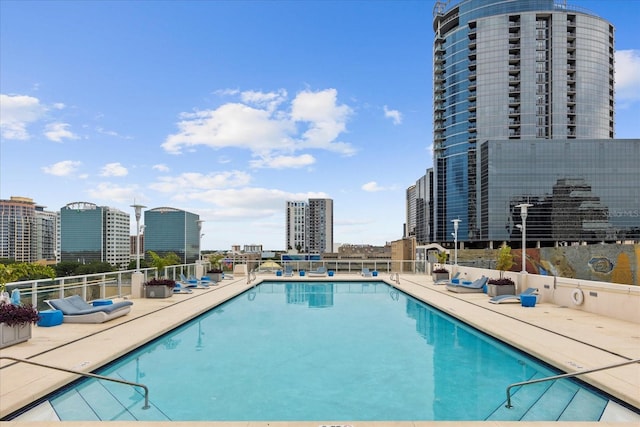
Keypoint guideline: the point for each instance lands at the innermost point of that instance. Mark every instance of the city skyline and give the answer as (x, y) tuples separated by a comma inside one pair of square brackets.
[(229, 109)]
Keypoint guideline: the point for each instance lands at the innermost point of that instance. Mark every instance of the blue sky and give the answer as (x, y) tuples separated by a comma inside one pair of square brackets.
[(114, 101)]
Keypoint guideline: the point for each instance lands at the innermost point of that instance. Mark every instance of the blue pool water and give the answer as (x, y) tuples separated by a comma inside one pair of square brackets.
[(327, 351)]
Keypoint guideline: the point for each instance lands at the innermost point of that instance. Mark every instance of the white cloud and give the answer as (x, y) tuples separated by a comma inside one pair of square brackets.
[(372, 187), (284, 162), (63, 168), (627, 77), (114, 193), (191, 182), (113, 169), (394, 115), (160, 168), (17, 112), (262, 125), (57, 131)]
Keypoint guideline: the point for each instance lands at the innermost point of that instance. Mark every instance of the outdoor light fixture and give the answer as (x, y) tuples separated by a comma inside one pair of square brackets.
[(138, 209), (523, 214), (455, 222)]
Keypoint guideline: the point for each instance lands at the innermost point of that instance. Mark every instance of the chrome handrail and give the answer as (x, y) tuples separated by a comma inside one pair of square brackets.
[(557, 377), (86, 374), (395, 277)]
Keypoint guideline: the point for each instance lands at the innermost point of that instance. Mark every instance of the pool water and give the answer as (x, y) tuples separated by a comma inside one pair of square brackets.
[(327, 351)]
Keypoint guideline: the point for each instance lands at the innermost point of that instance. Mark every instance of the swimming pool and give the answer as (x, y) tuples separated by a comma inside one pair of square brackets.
[(326, 351)]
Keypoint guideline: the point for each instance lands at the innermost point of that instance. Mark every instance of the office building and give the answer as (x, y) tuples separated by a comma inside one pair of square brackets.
[(169, 230), (527, 83), (310, 226), (92, 233)]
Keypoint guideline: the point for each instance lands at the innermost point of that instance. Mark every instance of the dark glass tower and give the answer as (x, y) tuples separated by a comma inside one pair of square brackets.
[(512, 71)]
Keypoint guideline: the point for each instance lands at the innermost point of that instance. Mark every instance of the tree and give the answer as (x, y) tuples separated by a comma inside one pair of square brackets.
[(23, 271), (504, 259), (160, 263)]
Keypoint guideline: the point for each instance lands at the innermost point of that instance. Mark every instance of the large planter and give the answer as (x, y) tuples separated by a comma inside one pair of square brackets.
[(158, 291), (10, 335), (495, 290), (215, 277), (440, 276)]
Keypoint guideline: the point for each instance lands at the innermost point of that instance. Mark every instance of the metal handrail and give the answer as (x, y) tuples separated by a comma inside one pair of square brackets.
[(251, 276), (395, 277), (557, 377), (87, 374)]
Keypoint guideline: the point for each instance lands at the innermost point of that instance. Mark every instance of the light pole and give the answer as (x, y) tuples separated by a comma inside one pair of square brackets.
[(455, 222), (200, 235), (523, 214), (138, 209)]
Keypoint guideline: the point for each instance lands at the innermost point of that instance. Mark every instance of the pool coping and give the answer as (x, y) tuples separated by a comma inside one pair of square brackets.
[(565, 338)]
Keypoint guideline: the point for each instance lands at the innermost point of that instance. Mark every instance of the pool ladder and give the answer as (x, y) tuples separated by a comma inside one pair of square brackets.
[(557, 377), (395, 277), (87, 374)]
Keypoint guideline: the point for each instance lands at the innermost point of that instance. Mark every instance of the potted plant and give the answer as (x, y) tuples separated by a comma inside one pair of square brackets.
[(162, 262), (159, 288), (503, 285), (440, 274), (16, 319), (215, 272)]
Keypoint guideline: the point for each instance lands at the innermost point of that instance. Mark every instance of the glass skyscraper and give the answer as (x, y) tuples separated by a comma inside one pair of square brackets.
[(172, 230), (506, 75)]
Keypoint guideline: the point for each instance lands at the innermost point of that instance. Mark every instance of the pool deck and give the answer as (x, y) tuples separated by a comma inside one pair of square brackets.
[(566, 338)]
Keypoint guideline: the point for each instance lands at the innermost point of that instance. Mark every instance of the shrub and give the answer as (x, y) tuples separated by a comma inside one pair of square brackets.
[(161, 282), (501, 281), (440, 270), (12, 315)]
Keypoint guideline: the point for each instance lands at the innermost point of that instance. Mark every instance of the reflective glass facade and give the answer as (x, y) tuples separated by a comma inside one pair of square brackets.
[(172, 230), (585, 190), (514, 71)]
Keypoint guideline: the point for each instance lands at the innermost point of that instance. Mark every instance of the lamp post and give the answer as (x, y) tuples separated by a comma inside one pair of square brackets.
[(455, 222), (138, 210), (200, 235), (523, 214)]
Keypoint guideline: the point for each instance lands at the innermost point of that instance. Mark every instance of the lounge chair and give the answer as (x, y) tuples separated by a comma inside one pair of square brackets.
[(76, 310), (447, 281), (466, 287), (366, 272), (179, 289), (506, 299), (288, 271), (318, 272), (192, 282)]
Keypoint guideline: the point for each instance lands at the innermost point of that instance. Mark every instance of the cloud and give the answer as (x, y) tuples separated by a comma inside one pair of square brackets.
[(372, 187), (627, 77), (113, 169), (57, 131), (18, 111), (394, 115), (266, 125), (160, 168), (63, 168), (114, 193), (284, 162), (190, 182)]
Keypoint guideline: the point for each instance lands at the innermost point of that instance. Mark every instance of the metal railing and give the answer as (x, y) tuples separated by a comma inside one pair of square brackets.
[(557, 377), (87, 374)]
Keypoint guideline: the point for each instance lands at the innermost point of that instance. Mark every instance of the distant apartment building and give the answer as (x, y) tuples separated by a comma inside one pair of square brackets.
[(418, 209), (27, 231), (92, 233), (252, 249), (310, 226), (172, 230)]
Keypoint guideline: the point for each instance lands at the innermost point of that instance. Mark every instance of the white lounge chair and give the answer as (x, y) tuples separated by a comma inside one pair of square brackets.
[(318, 272), (468, 288), (506, 299), (366, 272), (288, 271), (76, 310)]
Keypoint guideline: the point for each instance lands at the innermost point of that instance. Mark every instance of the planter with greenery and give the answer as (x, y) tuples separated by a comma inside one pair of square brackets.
[(440, 274), (215, 272), (159, 288), (15, 323), (503, 285)]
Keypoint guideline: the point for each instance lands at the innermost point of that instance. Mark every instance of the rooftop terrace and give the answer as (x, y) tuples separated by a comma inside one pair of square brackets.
[(566, 338)]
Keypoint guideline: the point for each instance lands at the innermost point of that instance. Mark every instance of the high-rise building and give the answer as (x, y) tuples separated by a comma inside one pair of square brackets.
[(310, 225), (172, 230), (91, 233), (27, 231), (297, 226), (320, 225), (524, 77)]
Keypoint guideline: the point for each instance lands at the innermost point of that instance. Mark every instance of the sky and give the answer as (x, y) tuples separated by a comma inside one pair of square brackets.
[(229, 109)]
